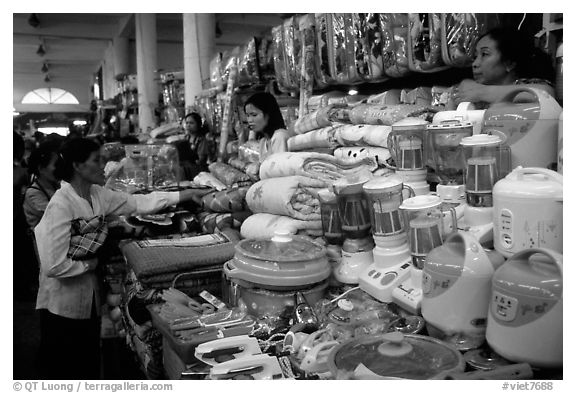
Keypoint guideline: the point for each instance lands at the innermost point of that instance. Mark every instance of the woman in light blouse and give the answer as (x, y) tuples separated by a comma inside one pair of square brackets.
[(69, 295)]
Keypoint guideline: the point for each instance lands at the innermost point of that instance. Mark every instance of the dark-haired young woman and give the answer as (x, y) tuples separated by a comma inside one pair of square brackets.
[(265, 120), (68, 237)]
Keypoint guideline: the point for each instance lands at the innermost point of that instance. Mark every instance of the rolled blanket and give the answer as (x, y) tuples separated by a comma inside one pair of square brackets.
[(166, 130), (86, 237), (238, 163), (363, 135), (263, 225), (293, 196), (356, 154), (207, 179), (227, 174), (313, 121), (323, 137), (319, 166), (229, 200), (389, 114)]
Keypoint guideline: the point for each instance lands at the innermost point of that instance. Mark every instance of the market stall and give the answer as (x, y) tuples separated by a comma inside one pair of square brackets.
[(395, 239)]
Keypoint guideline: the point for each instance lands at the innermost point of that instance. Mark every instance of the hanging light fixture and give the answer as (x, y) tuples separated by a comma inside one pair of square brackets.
[(41, 51), (44, 68), (47, 78), (33, 20)]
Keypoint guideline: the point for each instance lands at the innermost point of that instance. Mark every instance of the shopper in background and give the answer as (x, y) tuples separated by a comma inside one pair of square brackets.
[(69, 236), (42, 164), (202, 148), (504, 59), (265, 120)]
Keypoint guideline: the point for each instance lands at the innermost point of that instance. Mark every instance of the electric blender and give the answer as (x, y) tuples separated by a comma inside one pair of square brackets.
[(355, 223), (481, 173), (424, 220), (406, 145), (392, 261)]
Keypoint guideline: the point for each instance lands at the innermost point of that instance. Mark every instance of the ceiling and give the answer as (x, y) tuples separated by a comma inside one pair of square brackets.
[(75, 44)]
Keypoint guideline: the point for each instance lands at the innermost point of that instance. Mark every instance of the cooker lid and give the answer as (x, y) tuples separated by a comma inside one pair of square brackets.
[(282, 247), (394, 355)]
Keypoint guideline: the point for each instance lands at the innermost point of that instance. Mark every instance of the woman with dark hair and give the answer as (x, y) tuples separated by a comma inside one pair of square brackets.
[(42, 164), (201, 147), (69, 237), (265, 120), (505, 58)]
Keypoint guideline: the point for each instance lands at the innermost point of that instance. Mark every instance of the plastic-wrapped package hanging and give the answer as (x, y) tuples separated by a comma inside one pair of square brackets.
[(216, 70), (323, 62), (344, 64), (292, 52), (226, 125), (460, 32), (248, 64), (369, 60), (306, 36), (394, 27), (280, 59), (265, 50), (425, 43)]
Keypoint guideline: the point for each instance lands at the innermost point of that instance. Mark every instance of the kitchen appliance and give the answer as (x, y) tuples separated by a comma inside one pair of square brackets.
[(456, 285), (529, 128), (444, 142), (228, 348), (353, 205), (465, 112), (527, 213), (356, 257), (260, 366), (331, 225), (525, 318), (481, 173), (391, 255), (393, 356), (267, 273), (406, 146)]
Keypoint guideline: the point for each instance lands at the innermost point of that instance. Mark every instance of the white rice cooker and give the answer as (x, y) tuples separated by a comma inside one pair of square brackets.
[(525, 318), (529, 128), (528, 205)]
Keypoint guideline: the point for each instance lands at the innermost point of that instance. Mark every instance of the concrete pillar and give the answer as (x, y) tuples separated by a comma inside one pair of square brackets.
[(146, 64), (199, 48)]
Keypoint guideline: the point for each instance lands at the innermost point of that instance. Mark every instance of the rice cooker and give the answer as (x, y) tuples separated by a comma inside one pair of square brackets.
[(525, 318), (530, 129), (527, 213), (456, 281), (267, 273)]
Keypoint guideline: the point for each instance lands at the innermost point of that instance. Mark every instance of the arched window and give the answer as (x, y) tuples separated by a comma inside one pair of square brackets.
[(49, 95)]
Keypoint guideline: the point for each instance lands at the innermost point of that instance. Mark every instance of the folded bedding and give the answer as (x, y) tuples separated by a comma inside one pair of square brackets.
[(363, 135), (389, 114), (293, 196), (356, 154), (319, 166), (152, 258), (323, 138), (217, 222), (208, 179), (227, 174), (225, 201), (263, 225)]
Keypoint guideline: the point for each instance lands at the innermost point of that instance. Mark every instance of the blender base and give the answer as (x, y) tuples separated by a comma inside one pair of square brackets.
[(379, 282), (408, 295)]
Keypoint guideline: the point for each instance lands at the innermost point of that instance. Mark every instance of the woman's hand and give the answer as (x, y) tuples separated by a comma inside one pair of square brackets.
[(468, 91)]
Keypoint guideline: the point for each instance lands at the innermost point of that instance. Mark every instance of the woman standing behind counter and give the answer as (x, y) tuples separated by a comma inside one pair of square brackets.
[(69, 236), (265, 120), (505, 58)]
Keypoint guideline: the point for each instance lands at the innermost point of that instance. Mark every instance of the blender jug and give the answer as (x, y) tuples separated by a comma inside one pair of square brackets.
[(444, 142), (425, 222), (331, 225), (353, 206)]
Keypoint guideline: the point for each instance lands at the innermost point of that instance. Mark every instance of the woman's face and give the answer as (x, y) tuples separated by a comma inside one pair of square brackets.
[(47, 172), (191, 126), (488, 67), (92, 170), (257, 120)]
